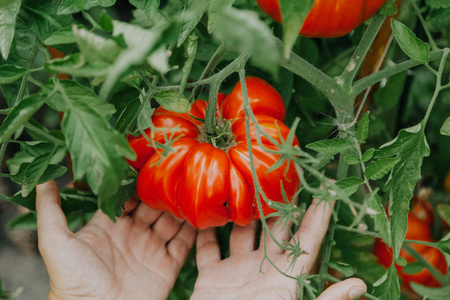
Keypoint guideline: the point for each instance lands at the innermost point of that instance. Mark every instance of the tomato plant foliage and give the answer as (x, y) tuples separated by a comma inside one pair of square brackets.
[(365, 116)]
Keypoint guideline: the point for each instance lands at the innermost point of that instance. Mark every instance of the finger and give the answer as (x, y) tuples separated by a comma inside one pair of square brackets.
[(208, 250), (312, 232), (279, 232), (51, 221), (242, 239), (146, 215), (348, 289), (130, 205), (167, 226), (182, 243)]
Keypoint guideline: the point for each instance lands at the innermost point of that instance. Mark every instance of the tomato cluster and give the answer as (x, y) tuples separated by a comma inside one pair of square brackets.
[(211, 185), (420, 222), (329, 18)]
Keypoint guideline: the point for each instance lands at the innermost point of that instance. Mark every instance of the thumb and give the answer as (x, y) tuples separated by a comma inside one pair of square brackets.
[(51, 221), (348, 289)]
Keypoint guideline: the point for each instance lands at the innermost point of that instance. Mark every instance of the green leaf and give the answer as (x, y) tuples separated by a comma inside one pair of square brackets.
[(40, 17), (349, 185), (100, 155), (439, 19), (11, 73), (193, 14), (445, 129), (106, 22), (362, 130), (64, 35), (8, 15), (76, 91), (388, 286), (143, 46), (410, 44), (36, 148), (27, 202), (20, 114), (438, 3), (245, 32), (431, 293), (170, 100), (412, 268), (388, 9), (68, 7), (294, 14), (411, 147), (380, 219), (378, 169), (94, 48), (368, 154), (444, 246), (77, 66), (331, 146), (345, 269), (150, 7), (189, 53), (26, 221), (39, 168), (50, 172), (352, 159), (216, 9), (389, 95), (444, 212)]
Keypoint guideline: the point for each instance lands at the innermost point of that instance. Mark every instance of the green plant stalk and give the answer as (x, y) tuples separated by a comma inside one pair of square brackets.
[(353, 66), (438, 86), (3, 151), (425, 28), (211, 66), (349, 229), (210, 118), (363, 83), (257, 187), (441, 278), (30, 64)]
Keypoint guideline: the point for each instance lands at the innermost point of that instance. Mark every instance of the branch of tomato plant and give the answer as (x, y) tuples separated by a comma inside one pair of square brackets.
[(363, 83), (3, 151), (44, 134), (31, 60), (257, 186), (441, 278), (351, 70), (354, 230), (210, 67)]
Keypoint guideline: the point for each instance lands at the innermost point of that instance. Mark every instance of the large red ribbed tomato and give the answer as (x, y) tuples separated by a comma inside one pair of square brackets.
[(207, 185), (329, 18), (420, 222)]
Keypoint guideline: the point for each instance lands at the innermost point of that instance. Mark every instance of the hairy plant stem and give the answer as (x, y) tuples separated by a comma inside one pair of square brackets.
[(353, 66), (31, 59), (425, 28)]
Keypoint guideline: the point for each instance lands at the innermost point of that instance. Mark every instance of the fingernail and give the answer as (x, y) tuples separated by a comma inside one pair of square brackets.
[(356, 292)]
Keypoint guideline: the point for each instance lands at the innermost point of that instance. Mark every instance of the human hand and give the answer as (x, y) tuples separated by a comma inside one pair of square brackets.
[(238, 276), (137, 257)]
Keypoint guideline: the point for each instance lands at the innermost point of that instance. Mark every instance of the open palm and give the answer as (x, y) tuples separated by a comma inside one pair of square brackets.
[(238, 276), (138, 257)]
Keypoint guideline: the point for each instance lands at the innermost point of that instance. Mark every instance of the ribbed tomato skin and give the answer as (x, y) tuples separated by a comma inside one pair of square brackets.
[(211, 186), (328, 18)]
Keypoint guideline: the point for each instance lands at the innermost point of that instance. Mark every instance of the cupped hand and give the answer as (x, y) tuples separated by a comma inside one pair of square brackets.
[(138, 257), (238, 276)]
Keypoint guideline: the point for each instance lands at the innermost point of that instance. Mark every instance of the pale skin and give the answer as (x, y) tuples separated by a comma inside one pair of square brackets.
[(140, 256)]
